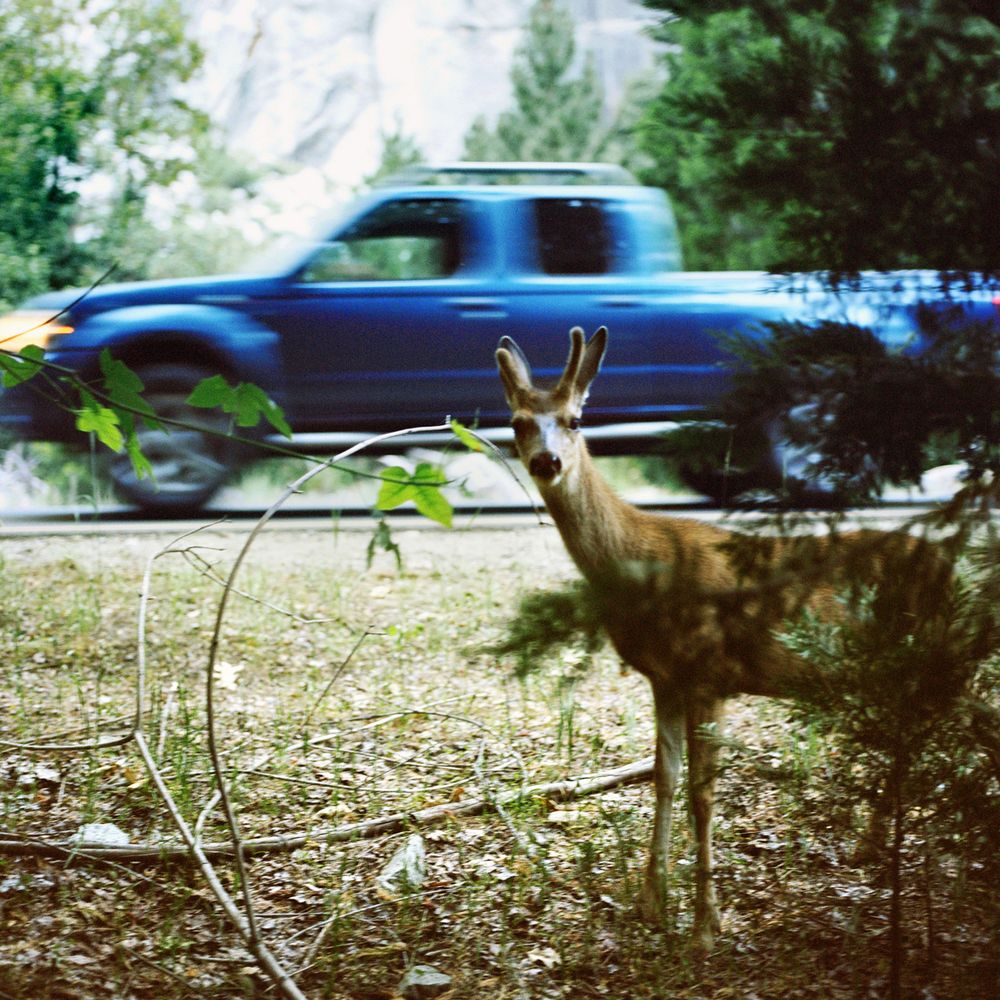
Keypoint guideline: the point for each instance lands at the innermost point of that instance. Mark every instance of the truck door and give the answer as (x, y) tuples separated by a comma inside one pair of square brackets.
[(374, 324), (579, 268)]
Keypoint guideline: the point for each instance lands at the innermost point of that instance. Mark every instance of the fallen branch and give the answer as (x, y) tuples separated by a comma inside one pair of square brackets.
[(569, 788)]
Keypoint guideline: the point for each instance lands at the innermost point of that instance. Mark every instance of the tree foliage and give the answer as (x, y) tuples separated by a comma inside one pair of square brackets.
[(831, 134), (399, 151), (873, 416), (559, 109), (88, 95)]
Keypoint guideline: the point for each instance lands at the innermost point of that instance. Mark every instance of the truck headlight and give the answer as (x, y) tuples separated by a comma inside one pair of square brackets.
[(22, 327)]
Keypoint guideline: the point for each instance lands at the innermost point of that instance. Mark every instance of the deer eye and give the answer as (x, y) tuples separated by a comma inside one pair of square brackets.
[(573, 423)]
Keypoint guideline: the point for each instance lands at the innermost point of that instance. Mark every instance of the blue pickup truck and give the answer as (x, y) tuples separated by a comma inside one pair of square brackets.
[(391, 319)]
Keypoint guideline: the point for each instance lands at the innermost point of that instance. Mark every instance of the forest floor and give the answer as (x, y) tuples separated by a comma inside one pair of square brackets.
[(345, 692)]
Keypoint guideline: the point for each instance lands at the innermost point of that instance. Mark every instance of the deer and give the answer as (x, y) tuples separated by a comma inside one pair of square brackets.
[(696, 614)]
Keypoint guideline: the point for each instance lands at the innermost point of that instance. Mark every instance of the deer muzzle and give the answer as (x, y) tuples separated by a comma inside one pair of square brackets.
[(545, 465)]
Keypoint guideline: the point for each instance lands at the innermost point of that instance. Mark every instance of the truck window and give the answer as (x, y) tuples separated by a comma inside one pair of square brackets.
[(413, 239), (574, 235)]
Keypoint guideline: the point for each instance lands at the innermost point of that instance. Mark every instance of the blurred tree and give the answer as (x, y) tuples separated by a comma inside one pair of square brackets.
[(209, 219), (399, 151), (556, 116), (831, 134), (88, 96)]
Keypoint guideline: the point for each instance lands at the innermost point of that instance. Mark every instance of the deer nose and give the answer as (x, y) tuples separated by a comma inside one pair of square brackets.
[(545, 465)]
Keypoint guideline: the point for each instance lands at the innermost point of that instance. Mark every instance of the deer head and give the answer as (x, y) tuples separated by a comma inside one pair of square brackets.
[(546, 422)]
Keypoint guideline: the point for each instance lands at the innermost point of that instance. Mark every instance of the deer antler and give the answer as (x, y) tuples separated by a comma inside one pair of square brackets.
[(567, 382)]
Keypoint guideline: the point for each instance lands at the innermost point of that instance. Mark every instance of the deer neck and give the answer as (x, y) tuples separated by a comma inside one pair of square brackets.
[(596, 525)]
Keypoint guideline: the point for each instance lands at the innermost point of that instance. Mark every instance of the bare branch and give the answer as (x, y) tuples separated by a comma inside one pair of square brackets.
[(568, 788)]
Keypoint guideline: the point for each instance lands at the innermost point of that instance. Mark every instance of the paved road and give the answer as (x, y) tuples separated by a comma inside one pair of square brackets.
[(41, 522)]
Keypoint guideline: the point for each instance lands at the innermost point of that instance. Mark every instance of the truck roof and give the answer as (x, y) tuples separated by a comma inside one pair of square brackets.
[(510, 173)]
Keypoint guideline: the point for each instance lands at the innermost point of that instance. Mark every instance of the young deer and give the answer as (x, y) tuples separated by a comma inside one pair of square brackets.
[(688, 616)]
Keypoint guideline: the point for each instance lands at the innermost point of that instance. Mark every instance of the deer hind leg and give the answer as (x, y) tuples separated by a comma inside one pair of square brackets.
[(669, 741), (702, 770)]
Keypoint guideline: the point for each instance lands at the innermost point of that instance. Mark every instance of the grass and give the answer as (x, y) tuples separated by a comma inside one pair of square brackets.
[(534, 903)]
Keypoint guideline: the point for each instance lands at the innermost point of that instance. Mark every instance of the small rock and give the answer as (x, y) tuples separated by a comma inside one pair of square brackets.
[(561, 816), (407, 868), (47, 775), (423, 981), (100, 835)]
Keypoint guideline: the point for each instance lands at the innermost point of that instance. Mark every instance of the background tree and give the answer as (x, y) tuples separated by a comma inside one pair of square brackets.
[(831, 134), (46, 106), (559, 111), (399, 151), (90, 121)]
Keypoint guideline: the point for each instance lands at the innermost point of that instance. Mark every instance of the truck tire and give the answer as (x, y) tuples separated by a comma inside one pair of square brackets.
[(789, 470), (763, 467), (189, 466), (727, 466)]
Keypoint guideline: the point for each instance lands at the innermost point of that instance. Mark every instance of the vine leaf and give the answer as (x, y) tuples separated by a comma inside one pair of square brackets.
[(245, 401), (18, 368), (466, 436), (123, 387), (423, 487), (93, 418), (140, 464)]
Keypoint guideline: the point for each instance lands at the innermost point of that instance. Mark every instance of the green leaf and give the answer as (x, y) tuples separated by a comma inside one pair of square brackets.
[(123, 386), (92, 418), (275, 416), (249, 402), (22, 366), (433, 504), (140, 464), (466, 436), (428, 498), (396, 488), (210, 393), (423, 487), (118, 375), (246, 402)]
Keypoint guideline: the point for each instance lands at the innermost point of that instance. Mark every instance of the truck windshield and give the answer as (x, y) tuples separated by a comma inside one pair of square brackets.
[(413, 239)]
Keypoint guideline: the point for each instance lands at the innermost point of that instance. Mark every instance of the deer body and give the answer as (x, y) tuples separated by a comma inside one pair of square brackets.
[(694, 652)]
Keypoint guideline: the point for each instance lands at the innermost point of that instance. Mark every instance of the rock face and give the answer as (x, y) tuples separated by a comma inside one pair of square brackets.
[(316, 84)]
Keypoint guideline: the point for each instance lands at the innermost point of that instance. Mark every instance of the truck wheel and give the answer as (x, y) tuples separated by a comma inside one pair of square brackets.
[(726, 466), (758, 464), (189, 466), (789, 469)]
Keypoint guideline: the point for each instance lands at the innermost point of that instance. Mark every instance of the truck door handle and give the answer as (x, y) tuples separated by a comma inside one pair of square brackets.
[(478, 304), (620, 302)]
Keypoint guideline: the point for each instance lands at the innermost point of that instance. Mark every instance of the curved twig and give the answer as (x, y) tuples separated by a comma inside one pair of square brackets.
[(213, 750)]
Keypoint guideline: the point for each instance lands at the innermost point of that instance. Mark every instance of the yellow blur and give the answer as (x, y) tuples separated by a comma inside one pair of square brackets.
[(29, 326)]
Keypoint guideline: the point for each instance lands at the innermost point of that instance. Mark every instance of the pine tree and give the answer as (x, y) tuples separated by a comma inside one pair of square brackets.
[(831, 134), (556, 116), (399, 151)]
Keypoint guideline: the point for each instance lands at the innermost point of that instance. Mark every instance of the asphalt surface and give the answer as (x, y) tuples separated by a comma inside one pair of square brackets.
[(119, 520)]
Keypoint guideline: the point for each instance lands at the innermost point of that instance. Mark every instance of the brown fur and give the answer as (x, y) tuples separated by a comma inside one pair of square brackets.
[(693, 607)]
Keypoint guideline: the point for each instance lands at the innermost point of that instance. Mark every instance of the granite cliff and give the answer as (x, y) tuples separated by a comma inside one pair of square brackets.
[(315, 84)]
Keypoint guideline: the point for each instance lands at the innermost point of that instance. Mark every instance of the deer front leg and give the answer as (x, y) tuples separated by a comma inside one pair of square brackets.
[(702, 769), (669, 739)]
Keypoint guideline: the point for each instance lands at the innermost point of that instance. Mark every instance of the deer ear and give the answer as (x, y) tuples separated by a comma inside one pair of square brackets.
[(515, 372), (590, 363)]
